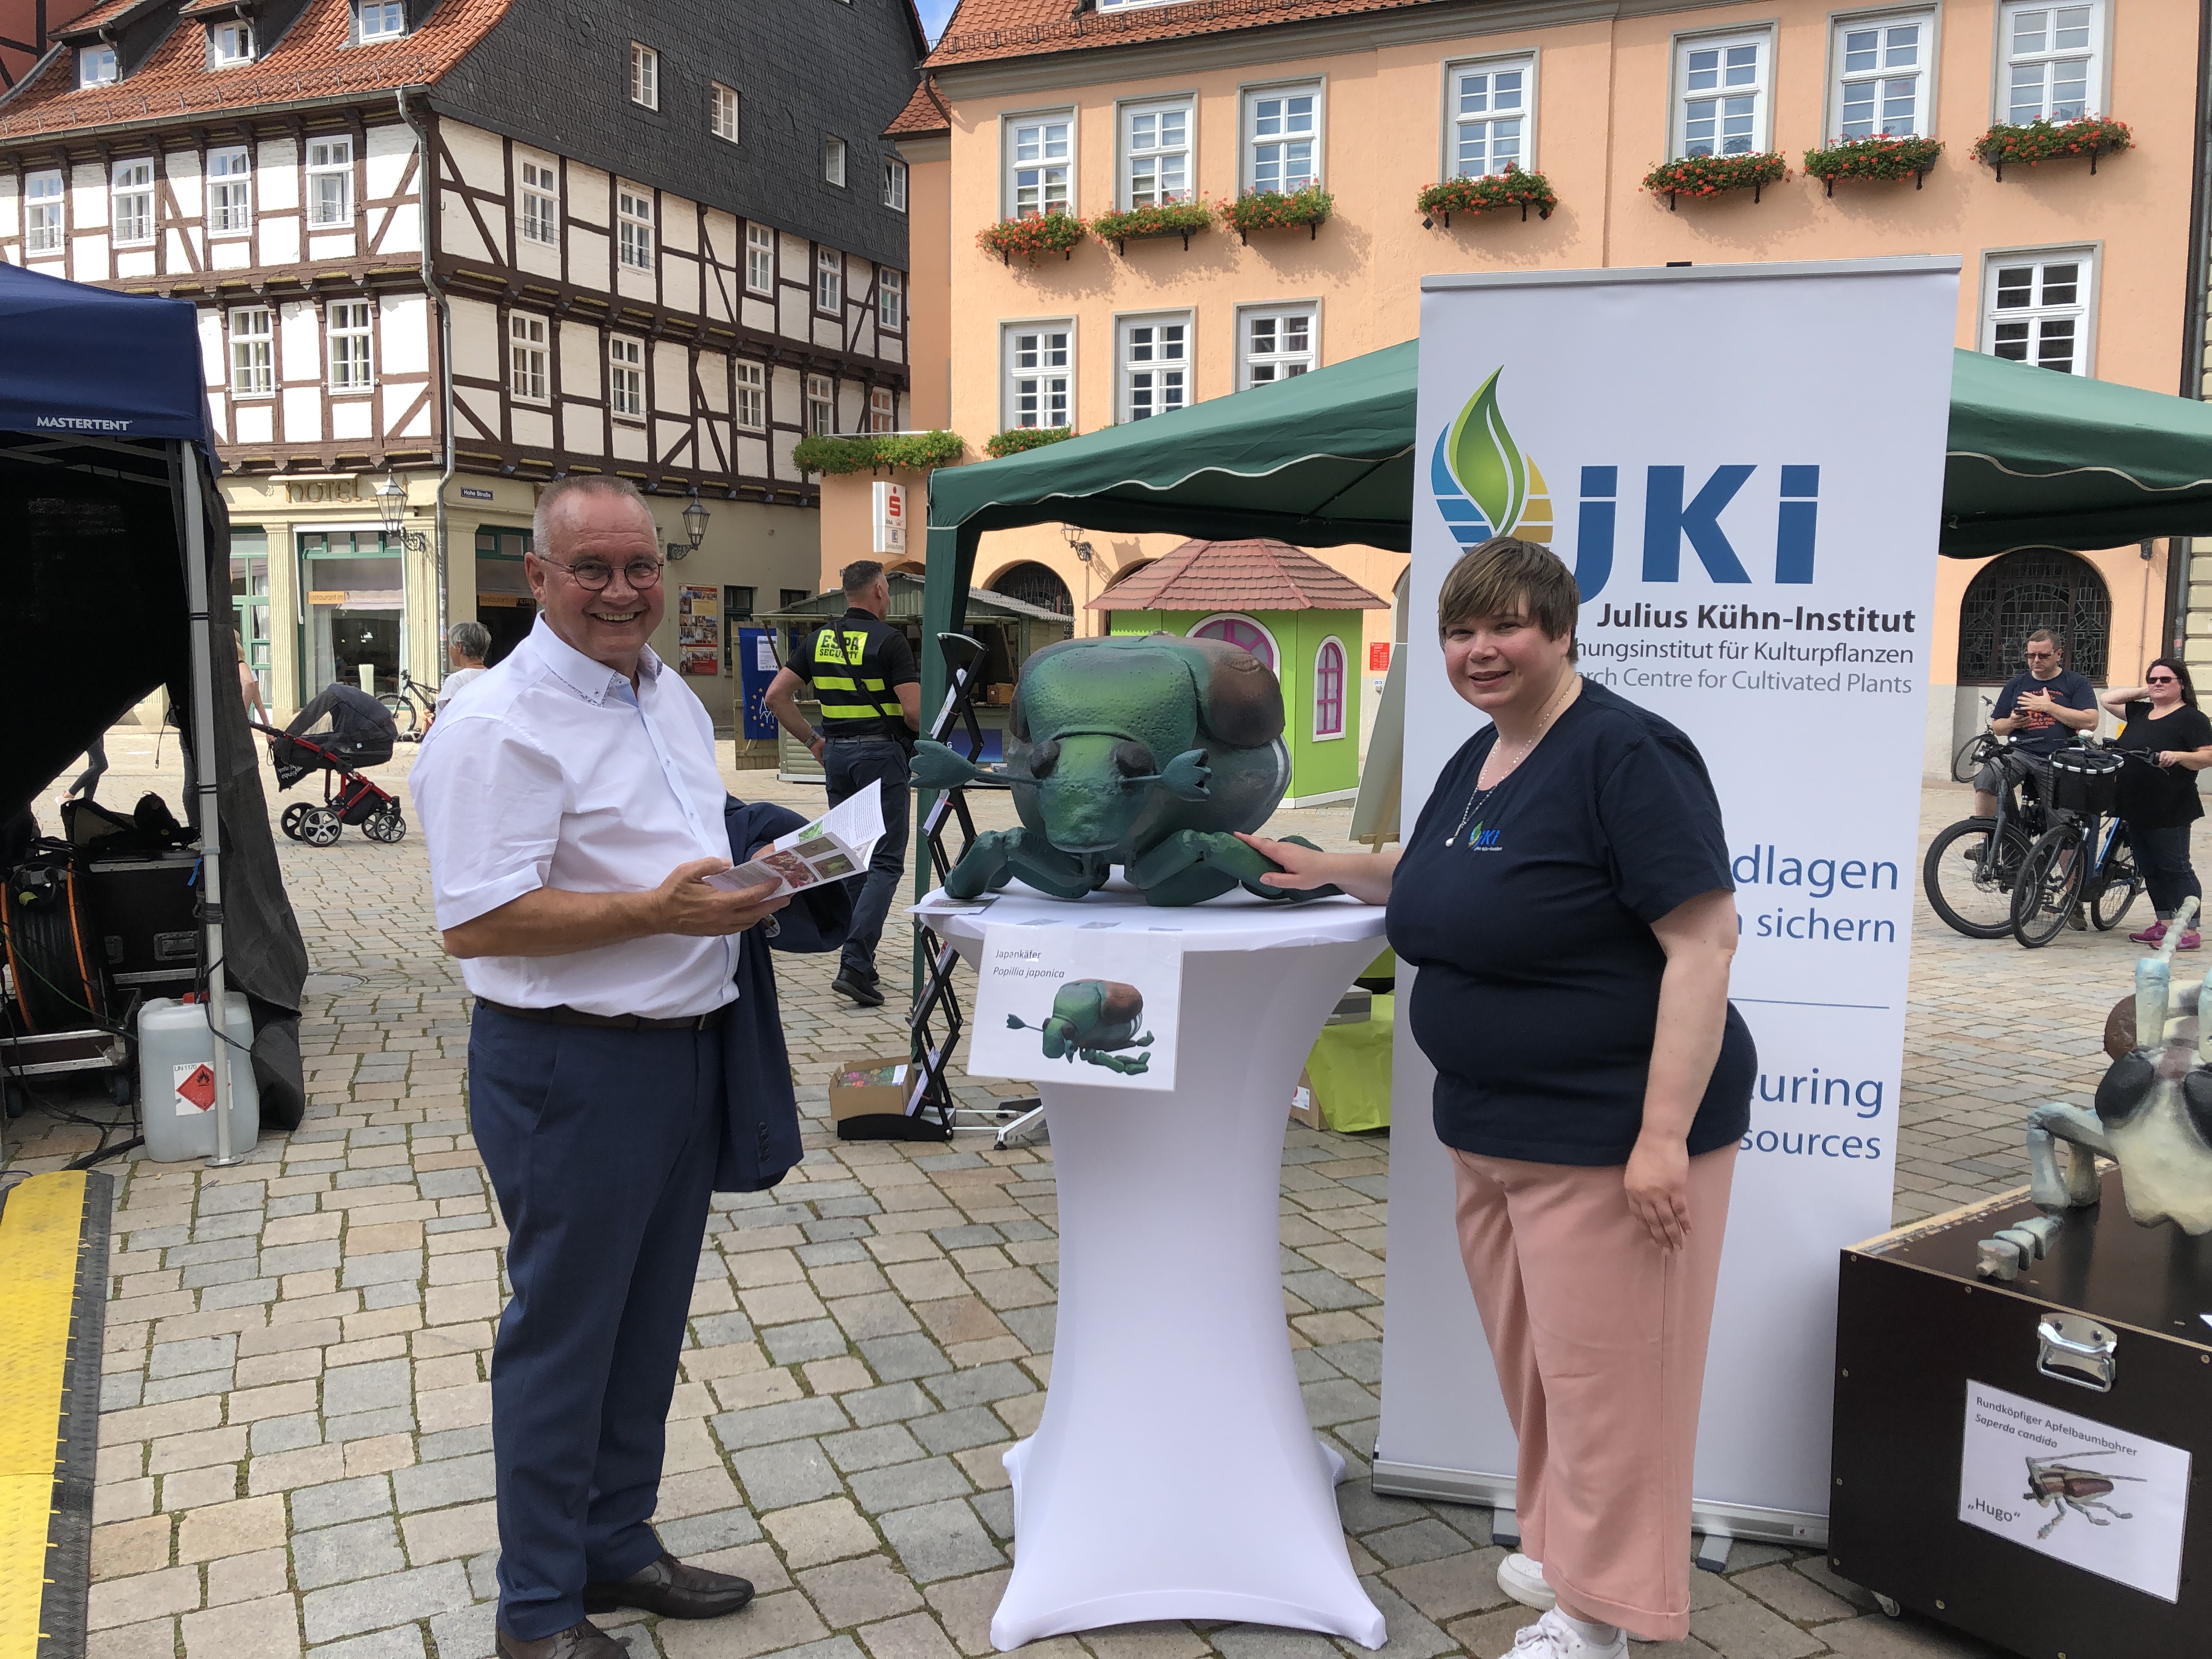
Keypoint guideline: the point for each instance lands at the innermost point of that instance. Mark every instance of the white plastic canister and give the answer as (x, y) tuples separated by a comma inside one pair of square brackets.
[(176, 1077)]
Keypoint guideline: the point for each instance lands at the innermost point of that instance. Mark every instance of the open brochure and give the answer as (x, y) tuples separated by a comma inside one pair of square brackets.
[(835, 847)]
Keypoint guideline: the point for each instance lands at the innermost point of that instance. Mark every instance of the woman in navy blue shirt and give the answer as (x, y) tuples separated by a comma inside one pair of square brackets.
[(1566, 902)]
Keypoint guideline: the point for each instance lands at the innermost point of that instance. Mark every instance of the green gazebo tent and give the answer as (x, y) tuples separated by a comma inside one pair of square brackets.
[(2035, 460)]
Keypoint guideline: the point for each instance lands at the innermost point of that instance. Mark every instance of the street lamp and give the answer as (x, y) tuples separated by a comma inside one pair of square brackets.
[(391, 508), (694, 526)]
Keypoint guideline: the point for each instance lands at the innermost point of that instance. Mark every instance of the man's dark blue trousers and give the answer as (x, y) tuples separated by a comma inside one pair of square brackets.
[(601, 1146)]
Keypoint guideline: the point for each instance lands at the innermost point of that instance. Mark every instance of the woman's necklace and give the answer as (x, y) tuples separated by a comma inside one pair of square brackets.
[(1527, 747)]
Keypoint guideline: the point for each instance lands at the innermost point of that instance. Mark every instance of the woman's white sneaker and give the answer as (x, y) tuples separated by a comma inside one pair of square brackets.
[(1554, 1636), (1522, 1579)]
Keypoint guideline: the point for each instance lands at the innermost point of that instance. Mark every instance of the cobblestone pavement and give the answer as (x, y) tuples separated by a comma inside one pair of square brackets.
[(294, 1440)]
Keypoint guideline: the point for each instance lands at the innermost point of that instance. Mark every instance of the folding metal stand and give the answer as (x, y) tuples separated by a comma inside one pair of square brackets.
[(1018, 1122)]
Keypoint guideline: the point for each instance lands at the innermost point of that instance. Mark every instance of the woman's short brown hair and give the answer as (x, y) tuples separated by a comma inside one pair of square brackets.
[(1506, 577)]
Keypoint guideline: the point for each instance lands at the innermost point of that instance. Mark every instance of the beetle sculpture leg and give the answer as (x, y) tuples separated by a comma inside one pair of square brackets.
[(2077, 1187), (1127, 1065), (998, 855), (1192, 866)]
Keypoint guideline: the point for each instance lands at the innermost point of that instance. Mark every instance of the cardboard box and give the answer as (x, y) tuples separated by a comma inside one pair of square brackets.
[(1304, 1107), (869, 1085)]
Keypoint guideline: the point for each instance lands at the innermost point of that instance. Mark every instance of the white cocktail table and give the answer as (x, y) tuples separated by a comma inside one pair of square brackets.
[(1174, 1474)]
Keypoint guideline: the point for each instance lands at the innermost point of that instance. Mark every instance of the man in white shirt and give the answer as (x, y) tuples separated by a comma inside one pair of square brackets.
[(573, 813)]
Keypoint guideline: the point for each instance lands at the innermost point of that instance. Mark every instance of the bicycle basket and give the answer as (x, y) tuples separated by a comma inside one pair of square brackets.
[(2085, 779)]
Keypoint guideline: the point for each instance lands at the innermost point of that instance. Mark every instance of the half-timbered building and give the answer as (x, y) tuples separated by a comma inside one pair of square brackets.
[(469, 246)]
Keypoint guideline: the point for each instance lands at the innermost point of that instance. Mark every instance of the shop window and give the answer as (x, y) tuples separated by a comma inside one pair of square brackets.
[(230, 191), (133, 202), (1328, 689), (1721, 105), (2011, 597), (1240, 631), (353, 587), (1491, 113)]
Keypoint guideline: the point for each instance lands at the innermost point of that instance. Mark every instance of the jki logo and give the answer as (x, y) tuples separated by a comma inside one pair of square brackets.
[(1484, 486)]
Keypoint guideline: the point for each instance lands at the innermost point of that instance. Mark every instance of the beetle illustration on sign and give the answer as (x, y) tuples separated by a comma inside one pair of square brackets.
[(1090, 1020), (2054, 1480)]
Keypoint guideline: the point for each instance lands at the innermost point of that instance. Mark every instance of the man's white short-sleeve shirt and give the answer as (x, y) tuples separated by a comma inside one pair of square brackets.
[(553, 773)]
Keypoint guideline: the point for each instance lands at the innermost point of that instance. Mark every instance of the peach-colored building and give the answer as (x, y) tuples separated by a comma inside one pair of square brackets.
[(1097, 107)]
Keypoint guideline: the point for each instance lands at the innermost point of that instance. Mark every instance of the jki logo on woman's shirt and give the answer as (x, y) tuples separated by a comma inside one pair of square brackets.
[(1479, 840)]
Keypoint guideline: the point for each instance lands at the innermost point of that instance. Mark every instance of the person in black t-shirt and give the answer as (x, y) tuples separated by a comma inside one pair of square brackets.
[(2158, 798), (2041, 709), (1566, 899)]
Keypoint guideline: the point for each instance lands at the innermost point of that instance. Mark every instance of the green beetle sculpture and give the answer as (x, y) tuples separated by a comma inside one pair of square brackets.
[(1144, 751), (1090, 1019)]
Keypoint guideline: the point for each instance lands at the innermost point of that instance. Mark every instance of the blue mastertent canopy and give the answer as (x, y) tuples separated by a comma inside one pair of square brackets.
[(90, 361)]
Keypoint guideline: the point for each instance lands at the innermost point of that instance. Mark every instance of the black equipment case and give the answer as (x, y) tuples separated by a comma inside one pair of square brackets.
[(2112, 1333), (145, 912)]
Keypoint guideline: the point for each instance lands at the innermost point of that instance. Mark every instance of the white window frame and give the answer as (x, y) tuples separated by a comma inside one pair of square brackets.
[(821, 404), (2094, 89), (538, 200), (1156, 109), (1761, 92), (833, 159), (894, 184), (625, 377), (829, 281), (2082, 310), (883, 409), (231, 44), (1842, 77), (891, 299), (50, 234), (132, 181), (325, 208), (644, 75), (95, 66), (528, 356), (1457, 123), (633, 219), (1343, 689), (252, 351), (380, 9), (351, 366), (1253, 103), (1282, 365), (1045, 192), (760, 257), (1165, 375), (752, 395), (723, 111), (1013, 373), (230, 191)]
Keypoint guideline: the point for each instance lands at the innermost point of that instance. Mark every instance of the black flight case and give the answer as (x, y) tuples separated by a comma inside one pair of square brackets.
[(2031, 1461)]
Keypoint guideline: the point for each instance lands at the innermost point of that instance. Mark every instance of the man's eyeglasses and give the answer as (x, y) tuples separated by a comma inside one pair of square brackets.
[(2039, 656), (593, 574)]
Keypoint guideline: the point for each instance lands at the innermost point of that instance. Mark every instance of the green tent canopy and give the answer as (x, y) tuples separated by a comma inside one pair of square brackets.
[(2035, 460)]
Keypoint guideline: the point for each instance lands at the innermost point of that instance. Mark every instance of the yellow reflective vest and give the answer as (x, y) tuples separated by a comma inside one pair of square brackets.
[(845, 665)]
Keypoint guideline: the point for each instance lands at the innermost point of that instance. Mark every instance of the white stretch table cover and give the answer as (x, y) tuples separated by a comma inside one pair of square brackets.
[(1174, 1474)]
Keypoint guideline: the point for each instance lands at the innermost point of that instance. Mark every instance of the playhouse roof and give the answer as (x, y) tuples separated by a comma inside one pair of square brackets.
[(1244, 575)]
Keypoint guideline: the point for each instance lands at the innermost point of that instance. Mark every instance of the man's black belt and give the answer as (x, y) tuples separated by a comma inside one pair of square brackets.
[(562, 1014)]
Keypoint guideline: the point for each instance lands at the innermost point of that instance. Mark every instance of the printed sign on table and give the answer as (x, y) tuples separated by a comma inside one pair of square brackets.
[(1097, 1003), (2078, 1491)]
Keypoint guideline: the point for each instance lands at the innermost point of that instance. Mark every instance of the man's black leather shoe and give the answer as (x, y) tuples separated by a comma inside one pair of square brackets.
[(672, 1590), (863, 992), (581, 1640)]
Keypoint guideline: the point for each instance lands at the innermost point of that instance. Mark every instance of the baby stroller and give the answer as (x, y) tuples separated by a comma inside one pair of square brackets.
[(348, 797)]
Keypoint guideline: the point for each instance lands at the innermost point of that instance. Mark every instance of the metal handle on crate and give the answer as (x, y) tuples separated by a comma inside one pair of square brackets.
[(2069, 1349)]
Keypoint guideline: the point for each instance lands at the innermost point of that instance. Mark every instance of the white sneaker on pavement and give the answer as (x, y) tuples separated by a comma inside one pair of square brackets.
[(1523, 1578), (1554, 1636)]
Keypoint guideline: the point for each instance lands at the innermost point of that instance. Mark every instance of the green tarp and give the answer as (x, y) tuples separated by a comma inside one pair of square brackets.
[(2036, 460)]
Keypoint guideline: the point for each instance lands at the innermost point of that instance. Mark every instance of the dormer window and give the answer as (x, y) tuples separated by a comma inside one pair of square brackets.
[(95, 66), (229, 44), (379, 20)]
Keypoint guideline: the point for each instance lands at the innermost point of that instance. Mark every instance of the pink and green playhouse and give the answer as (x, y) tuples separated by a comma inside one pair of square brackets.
[(1289, 610)]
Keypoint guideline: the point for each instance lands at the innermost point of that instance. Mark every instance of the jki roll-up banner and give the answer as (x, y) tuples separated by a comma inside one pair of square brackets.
[(1744, 466)]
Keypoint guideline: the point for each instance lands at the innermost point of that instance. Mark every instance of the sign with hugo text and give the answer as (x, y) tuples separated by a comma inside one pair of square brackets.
[(1743, 467), (1095, 1001), (2078, 1491)]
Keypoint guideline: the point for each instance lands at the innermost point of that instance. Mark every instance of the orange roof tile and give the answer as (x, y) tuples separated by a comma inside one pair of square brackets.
[(313, 60), (924, 113), (984, 29), (1253, 575)]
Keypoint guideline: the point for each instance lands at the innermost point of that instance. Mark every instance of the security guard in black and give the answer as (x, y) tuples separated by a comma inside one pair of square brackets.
[(856, 665)]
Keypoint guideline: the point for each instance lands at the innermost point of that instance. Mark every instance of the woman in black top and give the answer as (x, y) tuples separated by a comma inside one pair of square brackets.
[(2163, 722), (1566, 899)]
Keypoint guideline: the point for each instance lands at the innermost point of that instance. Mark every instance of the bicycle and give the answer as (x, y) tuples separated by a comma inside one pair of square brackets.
[(1968, 761), (1972, 866), (2085, 859), (411, 706)]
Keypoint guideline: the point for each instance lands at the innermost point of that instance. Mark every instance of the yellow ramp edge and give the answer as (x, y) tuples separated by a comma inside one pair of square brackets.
[(39, 1232)]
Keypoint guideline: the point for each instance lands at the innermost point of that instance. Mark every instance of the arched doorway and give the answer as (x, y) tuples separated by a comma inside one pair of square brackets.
[(1035, 584), (2036, 587)]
